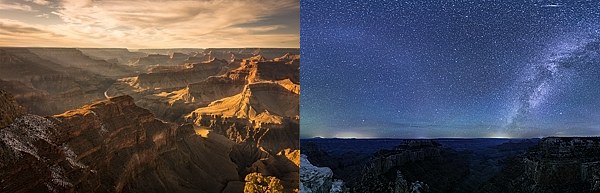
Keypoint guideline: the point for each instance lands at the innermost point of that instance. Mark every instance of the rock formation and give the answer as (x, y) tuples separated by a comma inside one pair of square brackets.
[(45, 87), (112, 146), (260, 183), (152, 59), (288, 58), (556, 164), (9, 109), (430, 166), (192, 73), (264, 113), (244, 117), (22, 65), (315, 179), (423, 165)]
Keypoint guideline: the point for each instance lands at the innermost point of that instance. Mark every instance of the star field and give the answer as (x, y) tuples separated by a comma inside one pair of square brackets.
[(428, 69)]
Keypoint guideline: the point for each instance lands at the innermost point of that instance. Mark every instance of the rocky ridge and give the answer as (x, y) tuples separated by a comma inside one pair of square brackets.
[(48, 80), (556, 164), (315, 179), (9, 109), (411, 166), (191, 73), (113, 146), (45, 87)]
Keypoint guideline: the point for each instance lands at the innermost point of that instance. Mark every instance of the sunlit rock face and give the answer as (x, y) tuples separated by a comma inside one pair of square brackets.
[(255, 105), (264, 111), (111, 146), (264, 114), (127, 132), (259, 183), (556, 164)]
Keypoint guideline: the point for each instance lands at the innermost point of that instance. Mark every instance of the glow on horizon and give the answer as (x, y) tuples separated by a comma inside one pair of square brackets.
[(351, 133), (150, 24)]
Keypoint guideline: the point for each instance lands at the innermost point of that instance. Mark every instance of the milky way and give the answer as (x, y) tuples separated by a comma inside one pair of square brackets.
[(449, 69), (548, 78)]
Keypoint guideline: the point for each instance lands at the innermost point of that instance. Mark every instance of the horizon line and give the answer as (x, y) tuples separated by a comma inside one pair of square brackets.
[(151, 48), (453, 137)]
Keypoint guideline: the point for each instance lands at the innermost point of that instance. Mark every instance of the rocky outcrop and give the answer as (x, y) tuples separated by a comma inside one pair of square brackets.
[(255, 71), (428, 165), (180, 89), (277, 71), (289, 58), (262, 117), (264, 113), (167, 92), (155, 59), (314, 179), (233, 81), (224, 53), (256, 182), (151, 59), (9, 109), (409, 151), (112, 146), (271, 53), (556, 164), (192, 73), (213, 88), (31, 161), (242, 53), (177, 58)]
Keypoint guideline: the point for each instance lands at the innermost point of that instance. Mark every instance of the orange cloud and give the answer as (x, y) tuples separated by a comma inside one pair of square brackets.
[(178, 23)]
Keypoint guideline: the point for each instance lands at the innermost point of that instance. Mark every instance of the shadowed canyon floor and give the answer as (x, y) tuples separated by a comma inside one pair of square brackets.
[(156, 120), (553, 164)]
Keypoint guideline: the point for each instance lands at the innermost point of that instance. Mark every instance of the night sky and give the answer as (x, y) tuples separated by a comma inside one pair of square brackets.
[(430, 69)]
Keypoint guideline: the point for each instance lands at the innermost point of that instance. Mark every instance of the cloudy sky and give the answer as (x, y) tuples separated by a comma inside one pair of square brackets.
[(150, 23)]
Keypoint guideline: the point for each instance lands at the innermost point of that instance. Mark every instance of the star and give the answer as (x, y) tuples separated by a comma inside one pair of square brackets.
[(444, 68)]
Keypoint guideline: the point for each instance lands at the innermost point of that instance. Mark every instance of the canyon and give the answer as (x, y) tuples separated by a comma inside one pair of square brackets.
[(149, 120), (484, 165)]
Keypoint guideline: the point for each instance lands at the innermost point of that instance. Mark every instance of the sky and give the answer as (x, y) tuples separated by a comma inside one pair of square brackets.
[(149, 23), (457, 69)]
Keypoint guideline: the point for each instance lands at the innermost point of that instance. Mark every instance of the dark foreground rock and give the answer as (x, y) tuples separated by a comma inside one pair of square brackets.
[(556, 164)]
